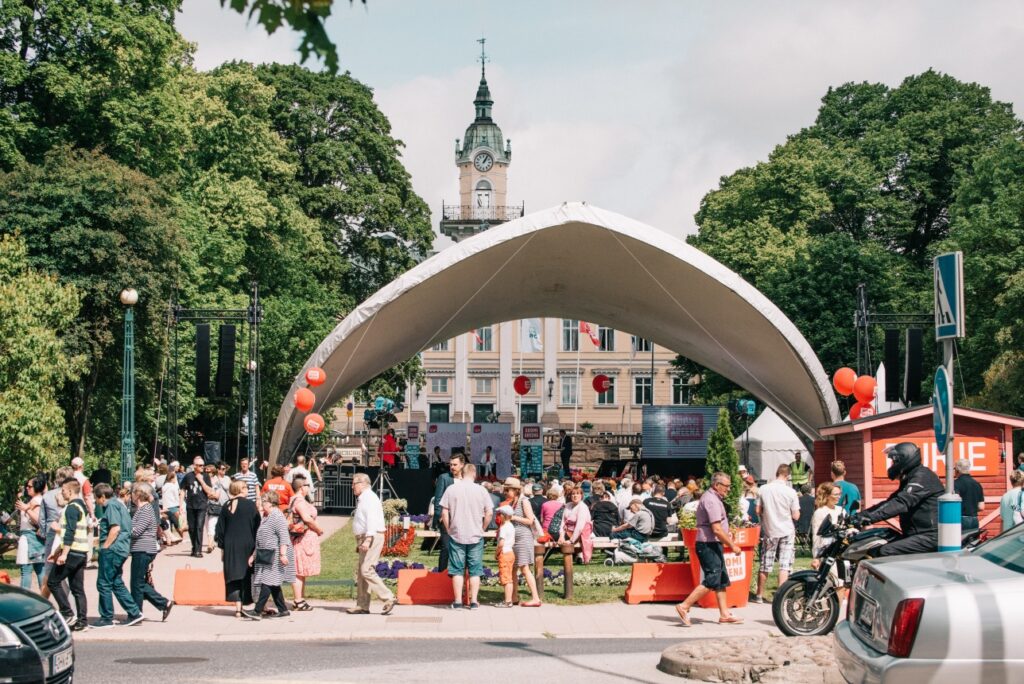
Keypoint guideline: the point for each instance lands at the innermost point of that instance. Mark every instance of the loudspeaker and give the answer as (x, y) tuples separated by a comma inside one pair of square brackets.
[(912, 369), (203, 360), (225, 361), (211, 452), (892, 364)]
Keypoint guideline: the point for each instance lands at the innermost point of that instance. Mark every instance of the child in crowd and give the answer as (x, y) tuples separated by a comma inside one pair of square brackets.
[(505, 554)]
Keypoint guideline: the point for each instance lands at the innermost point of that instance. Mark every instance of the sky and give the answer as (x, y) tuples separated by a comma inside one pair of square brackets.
[(639, 108)]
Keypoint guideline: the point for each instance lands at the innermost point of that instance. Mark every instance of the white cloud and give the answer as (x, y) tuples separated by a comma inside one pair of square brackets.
[(651, 134)]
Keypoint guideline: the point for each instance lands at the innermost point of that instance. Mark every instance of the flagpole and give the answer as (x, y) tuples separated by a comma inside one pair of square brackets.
[(576, 408), (519, 397)]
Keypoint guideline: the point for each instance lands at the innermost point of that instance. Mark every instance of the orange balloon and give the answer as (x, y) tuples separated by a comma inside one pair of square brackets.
[(314, 424), (864, 389), (843, 381), (304, 399), (315, 376), (861, 410)]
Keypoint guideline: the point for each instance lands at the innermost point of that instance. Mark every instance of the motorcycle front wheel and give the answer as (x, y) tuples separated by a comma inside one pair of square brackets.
[(793, 614)]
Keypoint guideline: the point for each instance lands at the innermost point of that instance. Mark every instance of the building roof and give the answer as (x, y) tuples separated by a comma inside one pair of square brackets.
[(483, 132), (580, 262), (877, 421)]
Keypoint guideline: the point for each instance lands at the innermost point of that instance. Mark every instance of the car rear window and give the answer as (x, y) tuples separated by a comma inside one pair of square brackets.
[(1006, 550)]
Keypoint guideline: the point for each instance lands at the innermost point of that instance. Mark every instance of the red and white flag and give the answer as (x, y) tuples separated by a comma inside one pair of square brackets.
[(591, 330), (476, 336)]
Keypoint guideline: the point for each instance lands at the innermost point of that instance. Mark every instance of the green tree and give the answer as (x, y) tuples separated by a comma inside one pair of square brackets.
[(100, 227), (92, 73), (722, 457), (35, 363)]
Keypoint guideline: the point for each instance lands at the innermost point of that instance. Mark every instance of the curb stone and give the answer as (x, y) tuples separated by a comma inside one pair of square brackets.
[(761, 658)]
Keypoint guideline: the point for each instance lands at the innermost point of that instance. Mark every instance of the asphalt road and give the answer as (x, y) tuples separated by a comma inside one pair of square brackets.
[(425, 660)]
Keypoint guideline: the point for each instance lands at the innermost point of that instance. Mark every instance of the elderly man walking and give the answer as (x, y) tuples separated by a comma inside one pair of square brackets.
[(466, 512), (777, 507), (712, 534), (369, 527)]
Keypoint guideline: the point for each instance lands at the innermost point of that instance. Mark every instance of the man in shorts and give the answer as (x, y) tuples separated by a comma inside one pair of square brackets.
[(712, 536), (777, 507), (466, 510)]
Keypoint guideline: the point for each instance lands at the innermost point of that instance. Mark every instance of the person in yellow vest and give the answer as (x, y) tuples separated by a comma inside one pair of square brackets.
[(800, 473), (70, 555)]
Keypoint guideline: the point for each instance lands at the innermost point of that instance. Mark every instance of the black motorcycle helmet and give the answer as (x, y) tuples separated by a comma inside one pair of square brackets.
[(905, 457)]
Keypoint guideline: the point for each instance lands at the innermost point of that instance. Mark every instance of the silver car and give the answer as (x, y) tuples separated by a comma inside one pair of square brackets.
[(938, 617)]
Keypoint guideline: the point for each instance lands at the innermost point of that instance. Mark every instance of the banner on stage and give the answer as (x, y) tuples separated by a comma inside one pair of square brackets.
[(498, 436), (447, 436), (412, 445)]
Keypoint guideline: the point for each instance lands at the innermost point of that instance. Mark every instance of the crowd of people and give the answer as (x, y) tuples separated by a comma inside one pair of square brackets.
[(268, 535)]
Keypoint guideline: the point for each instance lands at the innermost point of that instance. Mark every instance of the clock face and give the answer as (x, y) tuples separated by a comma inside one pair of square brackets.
[(483, 162)]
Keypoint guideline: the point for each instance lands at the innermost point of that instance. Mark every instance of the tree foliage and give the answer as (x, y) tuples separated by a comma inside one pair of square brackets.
[(121, 165), (36, 313), (722, 458), (883, 180)]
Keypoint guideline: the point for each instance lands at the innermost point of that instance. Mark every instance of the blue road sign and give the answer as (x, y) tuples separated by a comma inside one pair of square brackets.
[(949, 296), (942, 406)]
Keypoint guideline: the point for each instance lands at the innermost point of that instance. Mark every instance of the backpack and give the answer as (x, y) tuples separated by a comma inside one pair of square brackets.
[(556, 523)]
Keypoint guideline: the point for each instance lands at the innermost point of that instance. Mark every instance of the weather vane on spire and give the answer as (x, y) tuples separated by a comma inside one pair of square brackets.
[(483, 57)]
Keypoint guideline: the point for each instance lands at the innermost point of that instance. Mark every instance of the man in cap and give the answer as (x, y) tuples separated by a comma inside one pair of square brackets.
[(638, 525)]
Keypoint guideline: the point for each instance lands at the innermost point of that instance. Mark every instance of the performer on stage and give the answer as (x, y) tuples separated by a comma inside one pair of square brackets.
[(389, 449), (487, 463)]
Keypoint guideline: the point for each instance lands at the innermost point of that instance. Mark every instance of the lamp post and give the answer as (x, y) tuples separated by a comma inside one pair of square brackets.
[(129, 298)]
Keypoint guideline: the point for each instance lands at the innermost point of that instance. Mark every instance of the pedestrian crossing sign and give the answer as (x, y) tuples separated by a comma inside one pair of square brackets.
[(949, 296)]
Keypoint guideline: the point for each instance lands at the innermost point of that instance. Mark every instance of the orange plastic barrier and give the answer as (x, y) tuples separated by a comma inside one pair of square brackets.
[(422, 587), (659, 582), (740, 568), (4, 577), (199, 588)]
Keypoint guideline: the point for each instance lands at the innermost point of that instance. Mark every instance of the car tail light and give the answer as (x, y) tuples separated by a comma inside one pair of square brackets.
[(904, 627)]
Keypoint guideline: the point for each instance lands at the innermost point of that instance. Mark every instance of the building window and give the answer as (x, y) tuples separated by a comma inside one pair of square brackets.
[(440, 346), (483, 194), (439, 413), (570, 335), (605, 338), (679, 393), (570, 392), (607, 398), (642, 391), (641, 345), (483, 340), (439, 385), (528, 413), (485, 386), (482, 413)]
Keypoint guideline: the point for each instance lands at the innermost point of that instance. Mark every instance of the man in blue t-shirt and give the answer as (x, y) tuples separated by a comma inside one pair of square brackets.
[(850, 493)]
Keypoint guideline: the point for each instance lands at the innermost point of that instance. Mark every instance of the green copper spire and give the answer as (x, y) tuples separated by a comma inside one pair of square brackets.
[(483, 133), (483, 99)]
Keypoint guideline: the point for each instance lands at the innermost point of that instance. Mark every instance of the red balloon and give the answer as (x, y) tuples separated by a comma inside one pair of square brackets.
[(304, 399), (522, 384), (843, 381), (315, 376), (602, 383), (861, 410), (314, 424), (864, 389)]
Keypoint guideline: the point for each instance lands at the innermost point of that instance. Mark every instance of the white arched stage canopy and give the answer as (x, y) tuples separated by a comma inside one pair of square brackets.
[(577, 261)]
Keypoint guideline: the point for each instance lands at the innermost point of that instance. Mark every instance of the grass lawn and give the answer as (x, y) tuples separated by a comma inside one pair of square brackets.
[(595, 582)]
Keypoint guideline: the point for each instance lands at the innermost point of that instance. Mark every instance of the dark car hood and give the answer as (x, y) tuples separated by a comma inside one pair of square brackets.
[(16, 604)]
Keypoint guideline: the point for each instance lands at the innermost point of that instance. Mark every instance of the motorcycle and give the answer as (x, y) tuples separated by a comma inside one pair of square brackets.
[(807, 604)]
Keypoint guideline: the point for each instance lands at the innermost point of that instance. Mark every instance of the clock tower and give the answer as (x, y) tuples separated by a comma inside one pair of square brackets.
[(482, 157)]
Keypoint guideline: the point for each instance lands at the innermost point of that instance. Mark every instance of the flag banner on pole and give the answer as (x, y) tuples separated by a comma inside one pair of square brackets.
[(529, 335), (591, 330), (476, 336)]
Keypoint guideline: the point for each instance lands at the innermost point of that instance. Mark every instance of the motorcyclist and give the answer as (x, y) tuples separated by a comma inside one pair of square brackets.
[(916, 502)]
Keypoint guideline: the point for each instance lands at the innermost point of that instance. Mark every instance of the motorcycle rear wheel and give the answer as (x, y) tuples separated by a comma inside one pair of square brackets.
[(794, 617)]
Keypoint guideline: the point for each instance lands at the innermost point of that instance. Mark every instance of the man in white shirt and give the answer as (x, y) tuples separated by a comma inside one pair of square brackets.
[(466, 512), (777, 507), (300, 469), (624, 496), (369, 527)]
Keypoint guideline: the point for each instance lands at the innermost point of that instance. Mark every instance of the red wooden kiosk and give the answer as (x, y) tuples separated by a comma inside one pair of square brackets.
[(984, 437)]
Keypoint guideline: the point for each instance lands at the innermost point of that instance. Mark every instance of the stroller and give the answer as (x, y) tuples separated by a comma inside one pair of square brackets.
[(631, 551)]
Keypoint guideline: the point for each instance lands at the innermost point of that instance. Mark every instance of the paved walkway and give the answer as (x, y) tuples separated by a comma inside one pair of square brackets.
[(328, 620)]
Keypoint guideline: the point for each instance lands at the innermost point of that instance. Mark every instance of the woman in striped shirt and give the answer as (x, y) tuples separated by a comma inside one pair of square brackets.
[(145, 528), (272, 538)]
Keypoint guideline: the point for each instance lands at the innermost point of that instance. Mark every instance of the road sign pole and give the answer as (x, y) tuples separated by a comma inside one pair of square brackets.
[(949, 503)]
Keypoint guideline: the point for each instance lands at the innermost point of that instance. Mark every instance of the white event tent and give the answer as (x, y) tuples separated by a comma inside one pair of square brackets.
[(770, 442)]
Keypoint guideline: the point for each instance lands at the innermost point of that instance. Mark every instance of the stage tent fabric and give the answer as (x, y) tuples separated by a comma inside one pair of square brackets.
[(771, 443), (576, 261)]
